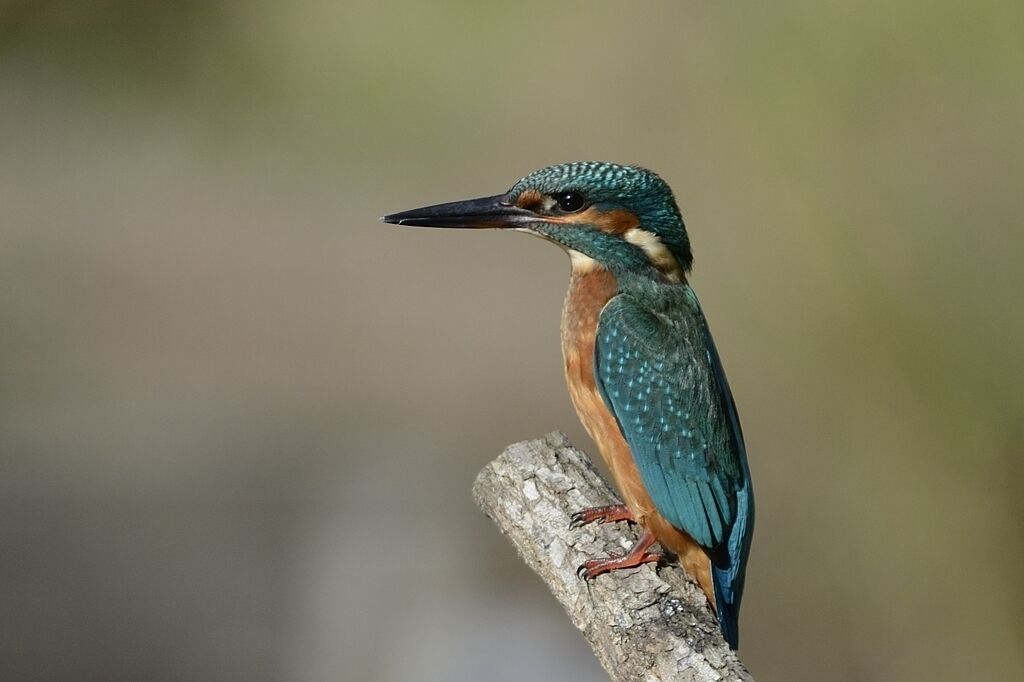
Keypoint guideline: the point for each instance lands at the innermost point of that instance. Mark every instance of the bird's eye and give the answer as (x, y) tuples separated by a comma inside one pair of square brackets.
[(570, 202)]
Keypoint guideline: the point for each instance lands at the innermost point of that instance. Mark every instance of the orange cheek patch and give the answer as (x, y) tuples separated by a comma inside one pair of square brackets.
[(612, 222)]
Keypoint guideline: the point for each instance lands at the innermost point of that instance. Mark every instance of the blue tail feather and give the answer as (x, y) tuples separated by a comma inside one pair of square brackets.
[(727, 606), (729, 568)]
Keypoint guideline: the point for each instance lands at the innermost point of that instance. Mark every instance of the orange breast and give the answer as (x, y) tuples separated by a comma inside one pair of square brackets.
[(590, 288)]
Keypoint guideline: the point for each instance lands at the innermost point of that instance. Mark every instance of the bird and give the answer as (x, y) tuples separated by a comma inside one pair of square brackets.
[(641, 366)]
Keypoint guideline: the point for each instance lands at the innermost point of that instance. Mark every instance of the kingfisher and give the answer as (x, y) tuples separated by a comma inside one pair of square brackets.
[(641, 366)]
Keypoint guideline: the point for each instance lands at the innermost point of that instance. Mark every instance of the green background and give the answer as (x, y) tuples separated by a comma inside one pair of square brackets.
[(239, 418)]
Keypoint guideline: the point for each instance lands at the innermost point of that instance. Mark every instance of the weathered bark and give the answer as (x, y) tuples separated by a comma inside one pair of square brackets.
[(643, 623)]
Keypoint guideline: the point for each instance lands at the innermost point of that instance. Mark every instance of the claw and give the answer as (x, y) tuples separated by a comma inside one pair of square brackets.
[(606, 514), (638, 555), (590, 568)]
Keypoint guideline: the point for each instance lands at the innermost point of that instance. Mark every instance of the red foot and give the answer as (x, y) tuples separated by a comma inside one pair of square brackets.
[(612, 512), (636, 556)]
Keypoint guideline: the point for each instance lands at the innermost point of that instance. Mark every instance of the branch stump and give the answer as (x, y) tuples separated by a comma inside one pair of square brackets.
[(645, 623)]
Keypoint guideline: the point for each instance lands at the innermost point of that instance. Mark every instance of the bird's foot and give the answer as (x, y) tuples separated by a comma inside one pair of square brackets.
[(635, 557), (606, 514)]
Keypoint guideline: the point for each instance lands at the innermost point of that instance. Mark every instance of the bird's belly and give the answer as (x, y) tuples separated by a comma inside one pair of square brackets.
[(588, 293)]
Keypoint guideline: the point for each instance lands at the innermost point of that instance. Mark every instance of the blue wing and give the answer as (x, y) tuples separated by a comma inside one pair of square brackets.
[(659, 373)]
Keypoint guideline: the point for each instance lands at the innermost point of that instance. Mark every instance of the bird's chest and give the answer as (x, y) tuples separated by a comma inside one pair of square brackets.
[(589, 291)]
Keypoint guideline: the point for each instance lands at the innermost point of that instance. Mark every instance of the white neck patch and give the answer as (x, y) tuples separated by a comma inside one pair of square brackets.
[(581, 262), (656, 251)]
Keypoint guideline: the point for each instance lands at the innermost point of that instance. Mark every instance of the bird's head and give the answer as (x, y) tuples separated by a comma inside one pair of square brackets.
[(622, 218)]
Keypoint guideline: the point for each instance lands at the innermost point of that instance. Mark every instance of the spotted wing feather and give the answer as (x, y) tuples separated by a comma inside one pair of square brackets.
[(660, 375)]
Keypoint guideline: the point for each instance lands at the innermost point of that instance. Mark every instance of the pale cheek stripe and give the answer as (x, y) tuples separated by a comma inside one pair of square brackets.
[(656, 251)]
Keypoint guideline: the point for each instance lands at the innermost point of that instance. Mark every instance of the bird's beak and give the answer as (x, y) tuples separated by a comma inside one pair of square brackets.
[(488, 212)]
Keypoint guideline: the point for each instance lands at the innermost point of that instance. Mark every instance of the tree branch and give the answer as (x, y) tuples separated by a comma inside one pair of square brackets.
[(643, 623)]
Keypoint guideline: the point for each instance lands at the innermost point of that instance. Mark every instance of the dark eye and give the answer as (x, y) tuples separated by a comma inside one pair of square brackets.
[(570, 202)]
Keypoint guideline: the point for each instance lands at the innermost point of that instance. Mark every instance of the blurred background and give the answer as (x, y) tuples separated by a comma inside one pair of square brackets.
[(240, 418)]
